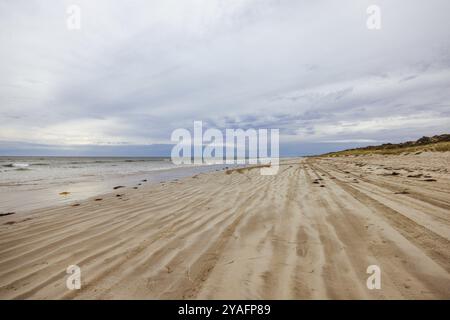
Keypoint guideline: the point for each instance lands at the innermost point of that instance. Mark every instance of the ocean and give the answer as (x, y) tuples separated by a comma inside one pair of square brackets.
[(28, 183)]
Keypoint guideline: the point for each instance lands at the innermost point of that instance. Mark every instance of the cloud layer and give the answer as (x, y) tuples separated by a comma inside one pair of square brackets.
[(137, 70)]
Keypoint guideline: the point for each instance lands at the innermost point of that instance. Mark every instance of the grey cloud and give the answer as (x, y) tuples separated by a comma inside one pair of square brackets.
[(135, 72)]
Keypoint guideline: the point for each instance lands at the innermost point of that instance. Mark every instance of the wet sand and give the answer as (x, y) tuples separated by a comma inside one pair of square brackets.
[(20, 196), (309, 232)]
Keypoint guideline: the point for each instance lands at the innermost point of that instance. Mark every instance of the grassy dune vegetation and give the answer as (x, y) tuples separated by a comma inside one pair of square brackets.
[(439, 143)]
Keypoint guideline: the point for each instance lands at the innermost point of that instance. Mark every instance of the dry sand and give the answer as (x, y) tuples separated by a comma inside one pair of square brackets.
[(246, 236)]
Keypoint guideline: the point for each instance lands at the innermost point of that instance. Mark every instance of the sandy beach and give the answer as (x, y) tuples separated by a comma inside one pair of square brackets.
[(309, 232)]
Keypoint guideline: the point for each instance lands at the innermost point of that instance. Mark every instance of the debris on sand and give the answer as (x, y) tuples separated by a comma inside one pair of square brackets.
[(98, 199), (429, 180), (145, 180), (415, 175), (6, 214), (402, 192), (75, 205), (64, 193), (118, 187)]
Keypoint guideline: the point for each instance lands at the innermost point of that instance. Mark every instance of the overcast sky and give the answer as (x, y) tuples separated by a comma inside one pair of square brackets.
[(137, 70)]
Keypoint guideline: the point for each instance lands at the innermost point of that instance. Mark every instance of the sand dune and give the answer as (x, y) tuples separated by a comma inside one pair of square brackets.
[(308, 232)]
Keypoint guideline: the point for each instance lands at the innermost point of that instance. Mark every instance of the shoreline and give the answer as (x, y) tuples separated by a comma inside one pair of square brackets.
[(42, 196)]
